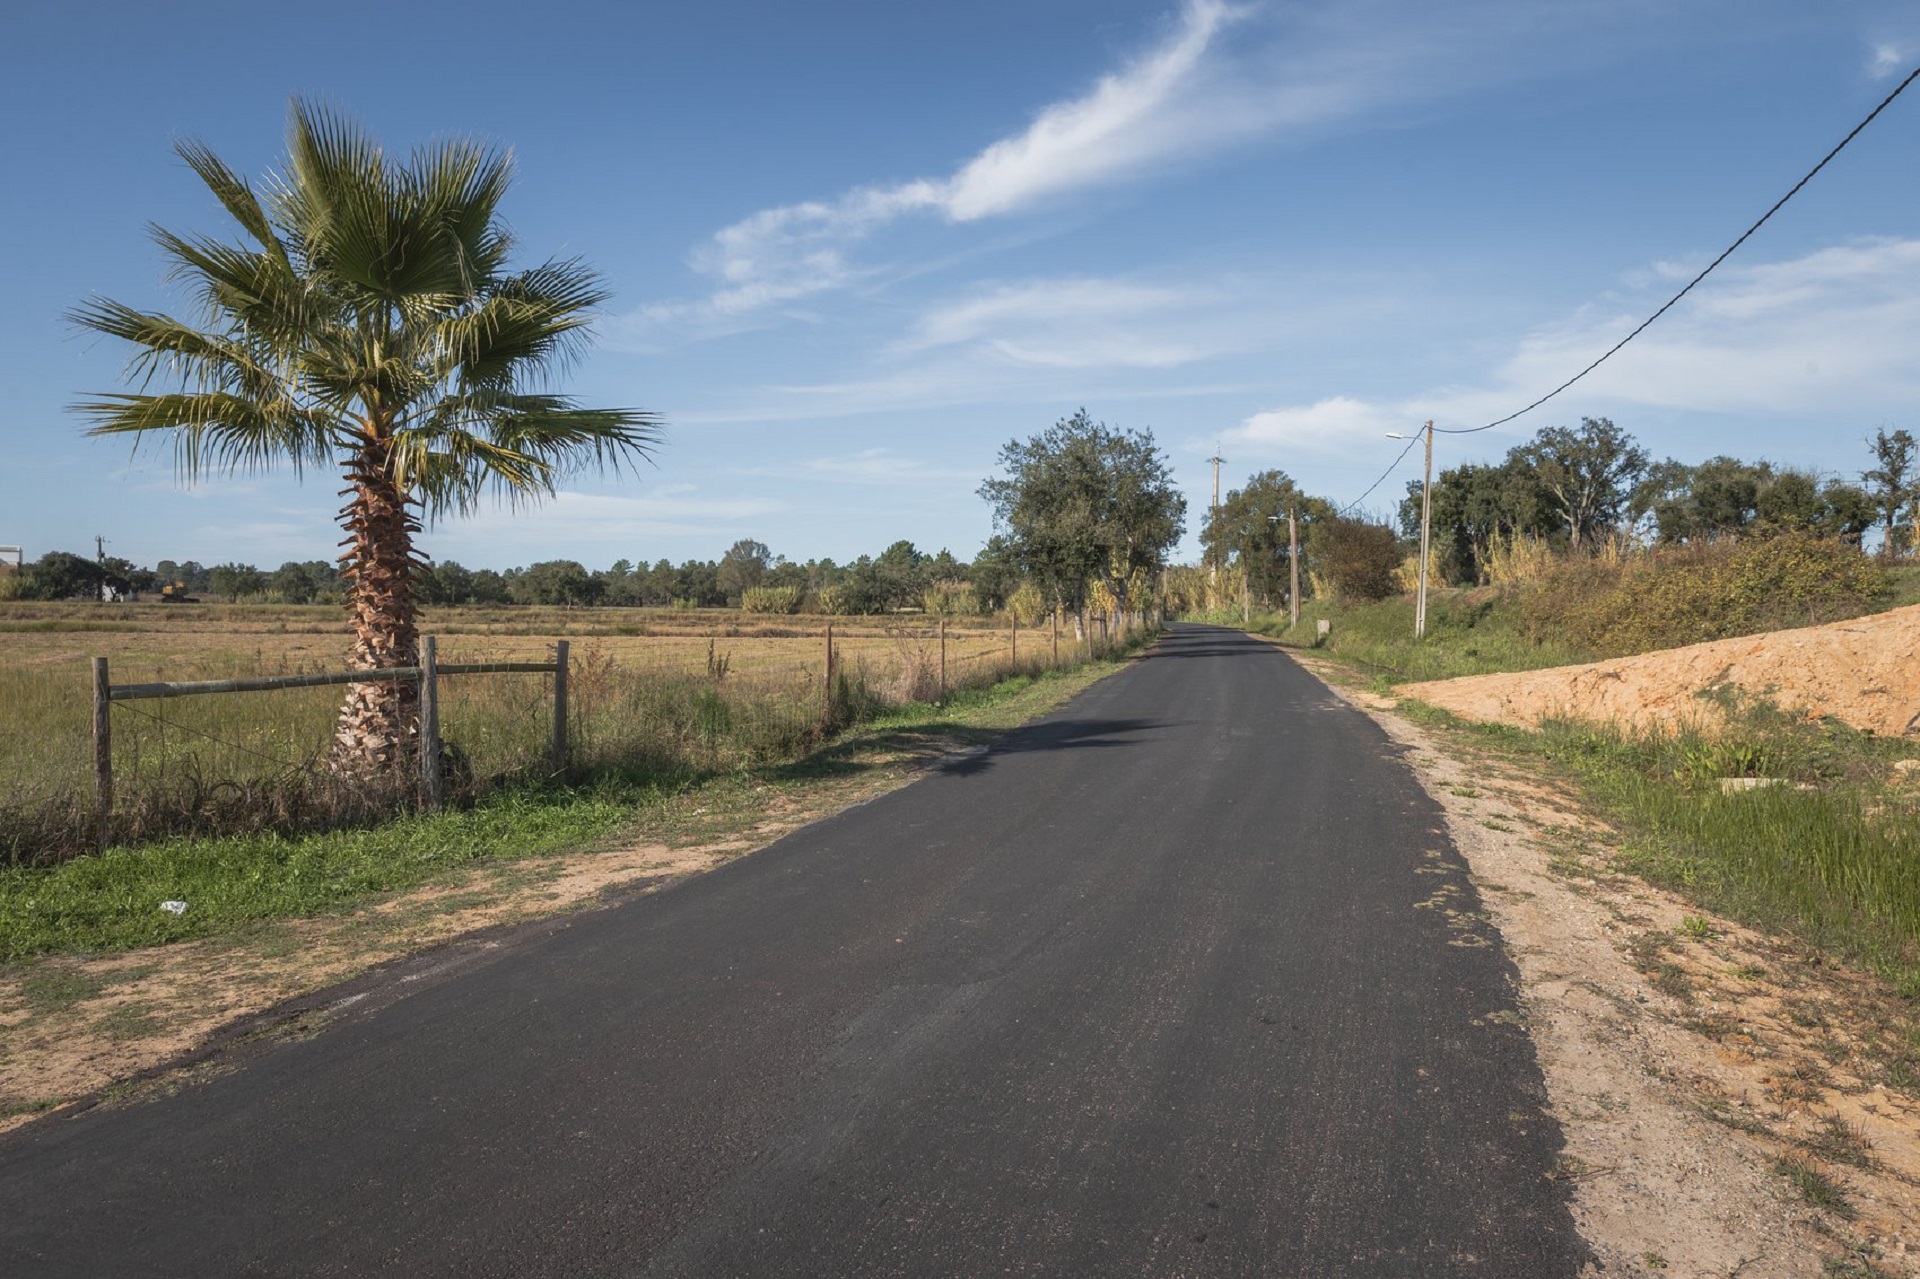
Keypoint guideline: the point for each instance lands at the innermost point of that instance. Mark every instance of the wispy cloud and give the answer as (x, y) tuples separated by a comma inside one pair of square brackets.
[(1075, 322), (1221, 75), (885, 466), (1143, 114), (1887, 59)]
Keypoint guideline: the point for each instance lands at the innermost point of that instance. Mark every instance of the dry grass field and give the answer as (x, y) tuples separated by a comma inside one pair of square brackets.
[(650, 687)]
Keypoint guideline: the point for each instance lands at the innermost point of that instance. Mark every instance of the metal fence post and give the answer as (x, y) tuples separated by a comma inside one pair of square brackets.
[(430, 779), (559, 703), (102, 747), (1014, 660), (943, 659), (1053, 623)]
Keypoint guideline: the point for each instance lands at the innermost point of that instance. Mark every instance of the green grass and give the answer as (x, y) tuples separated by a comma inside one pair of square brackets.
[(111, 901), (1833, 858), (1469, 632), (1818, 1189)]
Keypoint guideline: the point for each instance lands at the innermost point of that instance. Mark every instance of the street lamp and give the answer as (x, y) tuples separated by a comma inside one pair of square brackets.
[(1426, 534)]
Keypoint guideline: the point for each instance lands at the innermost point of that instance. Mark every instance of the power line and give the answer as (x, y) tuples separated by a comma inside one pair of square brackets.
[(1383, 476), (1725, 254)]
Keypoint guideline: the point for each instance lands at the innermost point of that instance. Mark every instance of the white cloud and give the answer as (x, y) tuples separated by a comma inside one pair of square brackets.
[(1076, 323), (1121, 126), (1146, 113), (871, 466), (1292, 67), (1833, 330), (1887, 59), (1325, 426)]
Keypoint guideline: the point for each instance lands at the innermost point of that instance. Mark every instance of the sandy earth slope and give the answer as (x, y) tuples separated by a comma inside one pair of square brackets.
[(1862, 671)]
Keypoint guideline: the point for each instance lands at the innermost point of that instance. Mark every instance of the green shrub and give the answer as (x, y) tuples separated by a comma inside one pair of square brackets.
[(771, 599), (1690, 594), (1361, 560)]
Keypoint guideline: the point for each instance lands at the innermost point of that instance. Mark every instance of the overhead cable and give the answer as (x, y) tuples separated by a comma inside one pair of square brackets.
[(1725, 254)]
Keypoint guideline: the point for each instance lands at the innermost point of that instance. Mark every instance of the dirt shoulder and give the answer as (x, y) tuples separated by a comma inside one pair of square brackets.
[(76, 1029), (1864, 672), (1721, 1113)]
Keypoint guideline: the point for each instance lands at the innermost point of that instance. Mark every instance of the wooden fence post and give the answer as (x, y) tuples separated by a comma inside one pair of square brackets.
[(102, 747), (430, 780), (1014, 619), (559, 703), (826, 696), (943, 659), (1053, 623)]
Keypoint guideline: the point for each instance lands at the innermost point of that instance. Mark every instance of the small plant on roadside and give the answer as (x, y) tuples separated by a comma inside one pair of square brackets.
[(1840, 1142), (1698, 928), (1815, 1187)]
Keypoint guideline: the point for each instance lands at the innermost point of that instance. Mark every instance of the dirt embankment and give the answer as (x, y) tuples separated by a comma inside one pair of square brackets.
[(1862, 671)]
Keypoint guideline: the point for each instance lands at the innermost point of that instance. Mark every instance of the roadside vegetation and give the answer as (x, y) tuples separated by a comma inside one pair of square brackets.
[(111, 901)]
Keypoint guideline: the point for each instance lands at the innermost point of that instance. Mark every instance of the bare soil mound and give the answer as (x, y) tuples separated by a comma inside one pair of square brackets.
[(1861, 671)]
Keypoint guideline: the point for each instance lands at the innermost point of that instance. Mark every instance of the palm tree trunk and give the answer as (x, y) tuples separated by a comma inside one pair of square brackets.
[(379, 723)]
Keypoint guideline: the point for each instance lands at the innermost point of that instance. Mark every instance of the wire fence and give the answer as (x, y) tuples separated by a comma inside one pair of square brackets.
[(738, 693)]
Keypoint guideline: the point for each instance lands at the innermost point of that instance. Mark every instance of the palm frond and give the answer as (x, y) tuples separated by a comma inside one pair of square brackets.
[(233, 193), (216, 431), (375, 317)]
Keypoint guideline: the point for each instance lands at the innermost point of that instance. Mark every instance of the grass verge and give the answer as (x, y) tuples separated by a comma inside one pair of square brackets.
[(1829, 852)]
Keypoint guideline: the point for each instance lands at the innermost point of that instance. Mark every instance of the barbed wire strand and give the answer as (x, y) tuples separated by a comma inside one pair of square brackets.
[(200, 732)]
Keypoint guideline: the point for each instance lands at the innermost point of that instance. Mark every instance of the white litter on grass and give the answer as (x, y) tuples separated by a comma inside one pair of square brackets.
[(174, 908)]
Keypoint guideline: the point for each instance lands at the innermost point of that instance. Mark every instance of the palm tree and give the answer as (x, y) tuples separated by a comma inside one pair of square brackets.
[(369, 322)]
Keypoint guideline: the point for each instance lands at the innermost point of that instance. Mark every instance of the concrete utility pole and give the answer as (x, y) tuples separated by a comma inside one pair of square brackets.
[(1426, 534), (1213, 515), (1293, 562)]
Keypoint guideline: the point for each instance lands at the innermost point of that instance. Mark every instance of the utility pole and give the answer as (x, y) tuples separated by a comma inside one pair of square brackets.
[(100, 562), (1426, 540), (1293, 562), (1426, 534), (1213, 514)]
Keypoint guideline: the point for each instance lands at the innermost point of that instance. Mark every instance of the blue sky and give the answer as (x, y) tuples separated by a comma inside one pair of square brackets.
[(855, 247)]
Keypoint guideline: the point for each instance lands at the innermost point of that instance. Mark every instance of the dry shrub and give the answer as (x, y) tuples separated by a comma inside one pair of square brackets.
[(1690, 594), (915, 676), (949, 599), (1027, 604), (1407, 576), (771, 599), (1519, 560)]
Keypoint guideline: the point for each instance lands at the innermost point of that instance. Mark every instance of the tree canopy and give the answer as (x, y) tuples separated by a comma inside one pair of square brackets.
[(1082, 503)]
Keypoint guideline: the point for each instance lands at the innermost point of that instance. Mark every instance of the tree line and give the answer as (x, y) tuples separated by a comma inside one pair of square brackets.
[(1573, 488), (1085, 516)]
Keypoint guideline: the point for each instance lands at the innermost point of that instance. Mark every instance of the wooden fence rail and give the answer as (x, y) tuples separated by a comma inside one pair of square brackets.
[(106, 692)]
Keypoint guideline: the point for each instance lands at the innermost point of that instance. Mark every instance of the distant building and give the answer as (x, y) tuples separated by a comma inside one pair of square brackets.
[(11, 559)]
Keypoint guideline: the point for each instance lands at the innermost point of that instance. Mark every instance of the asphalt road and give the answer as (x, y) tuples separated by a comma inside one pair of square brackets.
[(1185, 979)]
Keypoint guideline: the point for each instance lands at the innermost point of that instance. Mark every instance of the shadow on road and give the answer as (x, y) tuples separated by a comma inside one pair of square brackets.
[(1209, 649), (1054, 735)]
